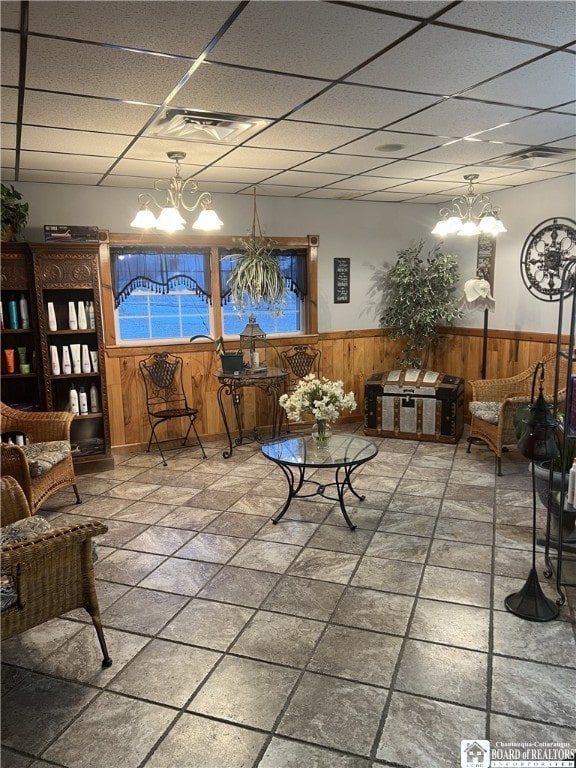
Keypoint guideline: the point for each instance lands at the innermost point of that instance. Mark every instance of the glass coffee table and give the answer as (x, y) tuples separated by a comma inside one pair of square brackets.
[(343, 453)]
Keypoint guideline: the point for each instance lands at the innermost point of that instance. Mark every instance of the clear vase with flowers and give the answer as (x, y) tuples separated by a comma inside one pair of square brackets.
[(320, 397)]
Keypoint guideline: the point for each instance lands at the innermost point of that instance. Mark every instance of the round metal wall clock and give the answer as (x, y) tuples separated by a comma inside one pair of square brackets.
[(547, 249)]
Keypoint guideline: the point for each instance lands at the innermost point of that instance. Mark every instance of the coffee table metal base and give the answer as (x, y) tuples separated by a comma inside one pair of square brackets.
[(297, 480)]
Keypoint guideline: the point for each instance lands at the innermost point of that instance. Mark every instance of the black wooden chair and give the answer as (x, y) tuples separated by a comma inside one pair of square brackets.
[(165, 396), (299, 361)]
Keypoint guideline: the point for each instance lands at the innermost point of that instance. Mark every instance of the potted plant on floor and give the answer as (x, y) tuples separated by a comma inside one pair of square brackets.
[(418, 295), (14, 213)]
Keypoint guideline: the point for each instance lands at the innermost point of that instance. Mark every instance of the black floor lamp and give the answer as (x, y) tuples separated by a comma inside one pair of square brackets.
[(537, 444)]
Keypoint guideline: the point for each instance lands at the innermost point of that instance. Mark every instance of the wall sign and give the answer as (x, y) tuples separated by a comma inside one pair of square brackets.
[(341, 281), (485, 259)]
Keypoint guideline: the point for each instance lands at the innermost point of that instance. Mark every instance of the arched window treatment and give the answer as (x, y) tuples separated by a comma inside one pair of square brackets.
[(159, 269), (292, 263)]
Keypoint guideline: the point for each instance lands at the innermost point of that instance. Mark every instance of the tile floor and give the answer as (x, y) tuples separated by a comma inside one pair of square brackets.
[(238, 643)]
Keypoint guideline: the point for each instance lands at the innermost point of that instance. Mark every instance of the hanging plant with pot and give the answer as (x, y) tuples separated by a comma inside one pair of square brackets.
[(256, 273), (418, 295), (14, 213)]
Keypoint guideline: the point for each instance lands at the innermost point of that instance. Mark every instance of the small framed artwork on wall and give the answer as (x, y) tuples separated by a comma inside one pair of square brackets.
[(485, 258)]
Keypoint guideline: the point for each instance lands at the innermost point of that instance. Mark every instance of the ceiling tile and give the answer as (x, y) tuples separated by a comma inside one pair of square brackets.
[(356, 105), (196, 152), (277, 190), (99, 71), (461, 117), (8, 135), (388, 197), (10, 57), (367, 183), (424, 187), (412, 169), (555, 75), (527, 177), (218, 88), (307, 38), (76, 142), (450, 61), (369, 145), (536, 129), (11, 14), (8, 173), (168, 27), (51, 161), (61, 111), (330, 193), (464, 151), (551, 22), (290, 134), (411, 7), (9, 105), (303, 179), (8, 158), (60, 177), (240, 175), (275, 159), (345, 164), (568, 166), (566, 143), (484, 172), (154, 169)]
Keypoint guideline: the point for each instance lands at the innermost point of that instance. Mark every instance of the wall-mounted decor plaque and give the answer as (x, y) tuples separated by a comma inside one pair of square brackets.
[(341, 281)]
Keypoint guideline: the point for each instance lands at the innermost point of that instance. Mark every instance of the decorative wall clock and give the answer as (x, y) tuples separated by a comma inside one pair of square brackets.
[(547, 249)]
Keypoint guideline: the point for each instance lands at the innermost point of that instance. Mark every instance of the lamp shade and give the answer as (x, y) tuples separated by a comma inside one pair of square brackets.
[(538, 442), (144, 219), (208, 220), (170, 220)]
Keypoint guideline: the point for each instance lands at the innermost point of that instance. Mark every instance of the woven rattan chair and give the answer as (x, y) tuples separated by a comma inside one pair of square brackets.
[(495, 402), (165, 396), (39, 427), (52, 572)]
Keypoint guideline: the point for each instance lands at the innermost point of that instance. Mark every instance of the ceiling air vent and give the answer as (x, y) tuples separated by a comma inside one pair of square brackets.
[(532, 157), (215, 127)]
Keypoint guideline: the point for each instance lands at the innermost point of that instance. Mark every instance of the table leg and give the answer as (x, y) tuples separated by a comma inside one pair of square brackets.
[(341, 486), (293, 488), (225, 390)]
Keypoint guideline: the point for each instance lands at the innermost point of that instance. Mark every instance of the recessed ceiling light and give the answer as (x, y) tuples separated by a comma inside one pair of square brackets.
[(389, 147)]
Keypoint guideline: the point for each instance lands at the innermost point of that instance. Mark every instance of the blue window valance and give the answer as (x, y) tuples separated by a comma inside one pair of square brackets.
[(292, 262), (159, 269)]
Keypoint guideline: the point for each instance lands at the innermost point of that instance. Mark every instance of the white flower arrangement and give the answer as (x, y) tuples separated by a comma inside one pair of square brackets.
[(323, 398)]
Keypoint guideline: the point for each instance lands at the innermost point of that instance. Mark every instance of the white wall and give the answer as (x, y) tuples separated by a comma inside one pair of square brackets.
[(370, 233)]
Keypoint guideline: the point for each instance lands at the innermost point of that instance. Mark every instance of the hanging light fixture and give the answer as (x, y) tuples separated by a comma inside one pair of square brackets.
[(469, 214), (170, 218)]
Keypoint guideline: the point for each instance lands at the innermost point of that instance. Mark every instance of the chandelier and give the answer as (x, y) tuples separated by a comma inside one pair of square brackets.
[(170, 219), (469, 214)]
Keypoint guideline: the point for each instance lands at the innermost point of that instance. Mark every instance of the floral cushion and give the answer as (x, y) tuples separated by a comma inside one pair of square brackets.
[(486, 411), (41, 457), (21, 530)]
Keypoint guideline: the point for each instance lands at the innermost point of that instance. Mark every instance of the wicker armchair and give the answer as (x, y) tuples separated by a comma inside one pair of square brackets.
[(39, 427), (52, 572), (495, 402)]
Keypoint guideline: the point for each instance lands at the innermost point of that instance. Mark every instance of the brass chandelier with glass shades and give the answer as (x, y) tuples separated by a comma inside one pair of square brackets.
[(469, 214), (170, 219)]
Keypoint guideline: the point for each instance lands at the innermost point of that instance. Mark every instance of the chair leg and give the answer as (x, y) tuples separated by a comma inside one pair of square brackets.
[(198, 439), (106, 660), (499, 466), (153, 435), (78, 499), (469, 444)]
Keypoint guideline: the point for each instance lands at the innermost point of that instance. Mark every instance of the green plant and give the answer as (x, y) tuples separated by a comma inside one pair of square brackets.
[(14, 212), (256, 273), (418, 296), (218, 344)]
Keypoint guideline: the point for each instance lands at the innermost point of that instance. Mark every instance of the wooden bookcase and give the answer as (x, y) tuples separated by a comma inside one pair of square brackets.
[(61, 273)]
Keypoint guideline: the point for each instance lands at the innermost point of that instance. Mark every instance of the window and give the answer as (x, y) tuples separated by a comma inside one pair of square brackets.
[(170, 293)]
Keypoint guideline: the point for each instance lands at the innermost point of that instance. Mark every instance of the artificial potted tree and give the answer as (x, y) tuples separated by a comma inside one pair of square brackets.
[(14, 213), (418, 295)]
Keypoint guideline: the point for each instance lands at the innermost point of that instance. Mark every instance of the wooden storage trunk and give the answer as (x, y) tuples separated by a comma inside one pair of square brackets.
[(414, 404)]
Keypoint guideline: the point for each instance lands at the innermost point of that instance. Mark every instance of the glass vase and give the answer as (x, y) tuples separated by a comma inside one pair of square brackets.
[(321, 431)]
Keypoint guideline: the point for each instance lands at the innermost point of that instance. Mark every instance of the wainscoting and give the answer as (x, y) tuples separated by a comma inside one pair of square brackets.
[(350, 356)]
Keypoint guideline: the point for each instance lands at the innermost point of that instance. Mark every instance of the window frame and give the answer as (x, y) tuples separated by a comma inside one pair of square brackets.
[(214, 242)]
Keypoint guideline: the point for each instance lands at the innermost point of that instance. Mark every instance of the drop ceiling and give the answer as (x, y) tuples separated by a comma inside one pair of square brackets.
[(374, 101)]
